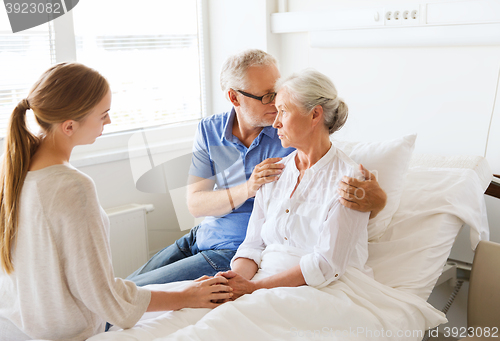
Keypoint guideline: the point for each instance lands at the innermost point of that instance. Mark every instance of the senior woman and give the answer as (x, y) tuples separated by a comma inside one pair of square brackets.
[(299, 233)]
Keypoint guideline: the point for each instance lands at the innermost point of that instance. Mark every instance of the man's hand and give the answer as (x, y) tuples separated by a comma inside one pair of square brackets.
[(266, 171), (204, 201), (364, 196)]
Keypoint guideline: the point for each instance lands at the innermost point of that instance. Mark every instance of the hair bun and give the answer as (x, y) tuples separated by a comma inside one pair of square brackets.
[(341, 114)]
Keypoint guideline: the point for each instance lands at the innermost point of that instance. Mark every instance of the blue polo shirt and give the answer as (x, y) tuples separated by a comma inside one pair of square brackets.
[(219, 155)]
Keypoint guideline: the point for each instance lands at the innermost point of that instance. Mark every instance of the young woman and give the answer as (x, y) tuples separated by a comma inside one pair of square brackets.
[(56, 278)]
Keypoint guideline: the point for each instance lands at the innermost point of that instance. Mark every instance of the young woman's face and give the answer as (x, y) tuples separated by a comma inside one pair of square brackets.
[(92, 126)]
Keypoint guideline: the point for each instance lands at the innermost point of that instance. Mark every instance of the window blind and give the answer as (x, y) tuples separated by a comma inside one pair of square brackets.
[(148, 51), (24, 56), (149, 54)]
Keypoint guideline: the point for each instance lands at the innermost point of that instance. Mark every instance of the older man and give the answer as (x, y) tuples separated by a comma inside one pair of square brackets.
[(234, 154)]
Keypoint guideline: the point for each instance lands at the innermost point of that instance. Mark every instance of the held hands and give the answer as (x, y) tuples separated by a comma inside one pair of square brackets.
[(238, 283), (207, 292), (364, 196), (266, 171)]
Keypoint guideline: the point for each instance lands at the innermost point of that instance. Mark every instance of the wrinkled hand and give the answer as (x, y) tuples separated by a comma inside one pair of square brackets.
[(207, 292), (266, 171), (364, 196), (238, 283)]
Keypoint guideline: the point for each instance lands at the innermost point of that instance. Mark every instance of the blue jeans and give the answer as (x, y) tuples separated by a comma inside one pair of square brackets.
[(182, 261)]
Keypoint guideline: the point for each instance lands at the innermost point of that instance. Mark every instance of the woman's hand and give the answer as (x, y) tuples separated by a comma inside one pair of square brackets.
[(364, 196), (207, 292), (238, 283)]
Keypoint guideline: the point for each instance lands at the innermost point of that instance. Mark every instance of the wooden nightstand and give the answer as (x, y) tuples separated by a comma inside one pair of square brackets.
[(494, 187)]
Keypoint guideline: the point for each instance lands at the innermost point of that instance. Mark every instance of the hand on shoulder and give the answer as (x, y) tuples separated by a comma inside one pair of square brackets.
[(363, 196)]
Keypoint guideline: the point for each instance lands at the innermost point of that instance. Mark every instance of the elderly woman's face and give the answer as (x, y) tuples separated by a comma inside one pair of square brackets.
[(292, 122)]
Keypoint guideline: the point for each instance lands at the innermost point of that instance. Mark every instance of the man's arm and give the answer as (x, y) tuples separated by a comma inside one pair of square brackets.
[(364, 196), (204, 201)]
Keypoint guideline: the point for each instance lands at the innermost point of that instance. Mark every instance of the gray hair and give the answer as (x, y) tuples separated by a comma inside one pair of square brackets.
[(234, 70), (309, 88)]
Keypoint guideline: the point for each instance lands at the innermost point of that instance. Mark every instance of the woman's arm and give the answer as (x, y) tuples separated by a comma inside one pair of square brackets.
[(289, 278), (243, 270), (246, 261), (245, 267), (340, 233), (253, 245), (201, 293), (241, 286)]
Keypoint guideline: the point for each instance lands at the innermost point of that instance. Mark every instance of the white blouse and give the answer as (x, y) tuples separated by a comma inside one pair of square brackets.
[(332, 236)]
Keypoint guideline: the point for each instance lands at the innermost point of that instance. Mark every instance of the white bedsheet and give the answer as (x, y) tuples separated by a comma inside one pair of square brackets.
[(356, 307)]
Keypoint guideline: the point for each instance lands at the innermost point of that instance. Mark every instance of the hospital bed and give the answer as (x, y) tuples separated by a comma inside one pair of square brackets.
[(430, 198)]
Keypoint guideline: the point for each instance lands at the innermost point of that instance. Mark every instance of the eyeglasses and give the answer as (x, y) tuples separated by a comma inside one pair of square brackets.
[(266, 99)]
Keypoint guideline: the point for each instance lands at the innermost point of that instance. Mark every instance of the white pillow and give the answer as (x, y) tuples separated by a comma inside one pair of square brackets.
[(389, 161), (435, 203)]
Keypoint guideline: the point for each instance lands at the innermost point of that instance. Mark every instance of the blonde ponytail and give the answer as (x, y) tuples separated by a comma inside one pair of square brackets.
[(20, 145), (67, 91)]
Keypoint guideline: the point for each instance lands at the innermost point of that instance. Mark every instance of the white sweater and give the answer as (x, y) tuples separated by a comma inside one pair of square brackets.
[(63, 287)]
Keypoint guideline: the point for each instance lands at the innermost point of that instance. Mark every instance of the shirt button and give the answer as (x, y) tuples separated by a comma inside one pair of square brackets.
[(287, 210), (286, 238), (336, 275)]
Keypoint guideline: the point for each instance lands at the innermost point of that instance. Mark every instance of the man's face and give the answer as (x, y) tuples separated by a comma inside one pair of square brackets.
[(260, 81)]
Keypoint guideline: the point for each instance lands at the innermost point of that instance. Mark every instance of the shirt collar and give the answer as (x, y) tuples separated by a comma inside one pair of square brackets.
[(330, 154), (270, 131), (327, 158), (228, 129)]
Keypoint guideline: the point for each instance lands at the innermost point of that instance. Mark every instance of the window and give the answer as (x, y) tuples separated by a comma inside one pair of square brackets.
[(147, 50), (24, 56), (150, 57)]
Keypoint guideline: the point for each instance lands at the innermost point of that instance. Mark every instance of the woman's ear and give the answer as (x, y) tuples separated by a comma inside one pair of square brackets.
[(233, 97), (69, 127), (317, 115)]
